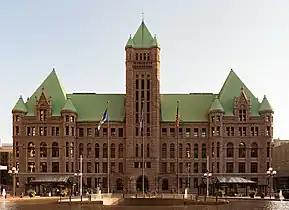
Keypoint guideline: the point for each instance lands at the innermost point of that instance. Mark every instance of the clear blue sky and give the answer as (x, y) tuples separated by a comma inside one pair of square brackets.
[(200, 40)]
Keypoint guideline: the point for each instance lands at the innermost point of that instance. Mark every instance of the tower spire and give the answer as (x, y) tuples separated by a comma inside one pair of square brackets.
[(142, 16)]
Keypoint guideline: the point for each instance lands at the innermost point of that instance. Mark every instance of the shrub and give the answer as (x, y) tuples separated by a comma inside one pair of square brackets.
[(262, 195)]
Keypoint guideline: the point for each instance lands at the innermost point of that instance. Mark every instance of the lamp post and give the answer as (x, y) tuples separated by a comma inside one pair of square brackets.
[(188, 171), (207, 175), (270, 174), (13, 172)]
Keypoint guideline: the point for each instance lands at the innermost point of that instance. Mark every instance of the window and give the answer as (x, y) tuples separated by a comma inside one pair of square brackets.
[(242, 150), (43, 167), (96, 150), (164, 151), (104, 132), (204, 167), (196, 183), (31, 167), (104, 150), (204, 151), (43, 115), (17, 149), (17, 130), (43, 150), (89, 150), (254, 150), (268, 131), (172, 167), (67, 130), (172, 132), (55, 149), (88, 180), (196, 150), (180, 151), (180, 132), (148, 150), (268, 149), (242, 115), (88, 167), (55, 167), (164, 168), (181, 168), (80, 149), (230, 150), (112, 150), (196, 132), (136, 150), (89, 131), (96, 167), (31, 150), (196, 168), (120, 151), (242, 168), (104, 167), (188, 132), (67, 167), (254, 167), (164, 131), (120, 132), (72, 119), (80, 132), (204, 132), (120, 167), (112, 132), (172, 151), (218, 149), (230, 168), (188, 150)]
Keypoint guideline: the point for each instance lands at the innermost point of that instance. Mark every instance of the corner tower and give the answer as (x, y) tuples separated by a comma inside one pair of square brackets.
[(142, 93)]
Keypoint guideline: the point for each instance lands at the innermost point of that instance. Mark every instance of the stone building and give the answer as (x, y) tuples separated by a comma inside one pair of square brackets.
[(52, 128)]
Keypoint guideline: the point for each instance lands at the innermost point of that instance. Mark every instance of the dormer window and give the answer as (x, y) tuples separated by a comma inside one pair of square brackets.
[(242, 115), (268, 118), (72, 119), (66, 118), (43, 115), (218, 118)]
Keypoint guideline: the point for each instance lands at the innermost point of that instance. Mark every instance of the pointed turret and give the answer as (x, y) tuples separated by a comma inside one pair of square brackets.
[(68, 106), (216, 106), (265, 106), (155, 42), (142, 38), (20, 106), (129, 42)]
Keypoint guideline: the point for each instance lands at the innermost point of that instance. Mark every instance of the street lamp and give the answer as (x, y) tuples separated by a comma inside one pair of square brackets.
[(188, 171), (270, 174), (207, 175), (13, 172)]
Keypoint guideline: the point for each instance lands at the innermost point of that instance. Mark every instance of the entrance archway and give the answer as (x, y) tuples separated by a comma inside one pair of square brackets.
[(139, 182)]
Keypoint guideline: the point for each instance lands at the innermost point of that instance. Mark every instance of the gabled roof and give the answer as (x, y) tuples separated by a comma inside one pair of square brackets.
[(53, 88), (68, 106), (231, 89), (265, 105), (20, 106), (142, 38), (216, 106)]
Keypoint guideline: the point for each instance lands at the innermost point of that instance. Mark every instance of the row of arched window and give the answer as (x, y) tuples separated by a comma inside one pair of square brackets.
[(242, 150)]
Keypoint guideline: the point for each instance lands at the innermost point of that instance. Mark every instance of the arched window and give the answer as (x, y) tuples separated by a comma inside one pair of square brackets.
[(120, 151), (180, 150), (148, 150), (55, 149), (230, 150), (196, 151), (172, 150), (112, 150), (31, 150), (43, 150), (242, 150), (254, 150), (188, 150), (136, 150), (88, 149), (204, 151), (80, 149), (165, 184), (96, 150), (104, 150), (164, 150)]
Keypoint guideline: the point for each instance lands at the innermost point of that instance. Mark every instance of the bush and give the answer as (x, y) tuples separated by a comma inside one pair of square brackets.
[(63, 193), (31, 193)]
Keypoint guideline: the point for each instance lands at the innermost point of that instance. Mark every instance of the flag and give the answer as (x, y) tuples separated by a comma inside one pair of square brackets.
[(103, 119), (177, 116), (141, 117)]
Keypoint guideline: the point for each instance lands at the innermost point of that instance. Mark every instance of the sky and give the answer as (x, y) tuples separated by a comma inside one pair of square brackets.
[(200, 42)]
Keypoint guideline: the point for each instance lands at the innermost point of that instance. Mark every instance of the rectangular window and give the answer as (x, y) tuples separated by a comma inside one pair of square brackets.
[(112, 132), (172, 132), (80, 132), (230, 168), (204, 132), (181, 167), (89, 167), (164, 131), (67, 130), (120, 132), (254, 167), (196, 168), (96, 132), (242, 168), (120, 167), (104, 167), (67, 167), (196, 132), (89, 131), (55, 167), (172, 167), (104, 132), (188, 132)]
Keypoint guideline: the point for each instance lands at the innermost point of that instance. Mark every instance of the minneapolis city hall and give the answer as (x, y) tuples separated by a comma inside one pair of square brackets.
[(181, 137)]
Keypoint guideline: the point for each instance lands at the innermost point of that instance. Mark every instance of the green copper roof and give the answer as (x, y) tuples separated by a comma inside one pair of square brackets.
[(53, 88), (265, 105), (20, 106), (129, 42), (216, 106), (142, 38), (68, 106), (230, 89), (193, 107), (90, 107)]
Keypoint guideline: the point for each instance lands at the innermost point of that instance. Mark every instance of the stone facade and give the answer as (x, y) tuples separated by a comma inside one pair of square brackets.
[(237, 142)]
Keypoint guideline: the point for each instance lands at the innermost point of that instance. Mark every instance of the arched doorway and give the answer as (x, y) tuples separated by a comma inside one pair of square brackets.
[(165, 184), (139, 182), (119, 185)]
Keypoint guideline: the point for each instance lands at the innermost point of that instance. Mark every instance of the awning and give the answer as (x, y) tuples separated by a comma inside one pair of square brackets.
[(233, 180), (51, 179)]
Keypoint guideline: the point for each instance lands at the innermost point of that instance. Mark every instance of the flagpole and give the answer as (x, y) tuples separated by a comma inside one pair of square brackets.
[(143, 150), (177, 131), (108, 150)]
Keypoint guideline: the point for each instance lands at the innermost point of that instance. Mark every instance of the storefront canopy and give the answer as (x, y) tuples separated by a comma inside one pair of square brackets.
[(233, 180), (51, 179)]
